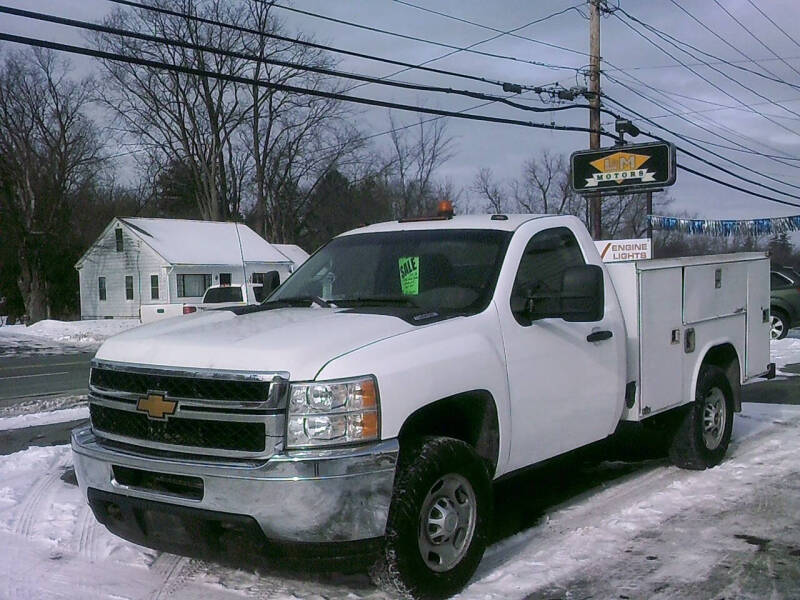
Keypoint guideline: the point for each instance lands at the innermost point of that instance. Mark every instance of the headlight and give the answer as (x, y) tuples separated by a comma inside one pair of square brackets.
[(324, 413)]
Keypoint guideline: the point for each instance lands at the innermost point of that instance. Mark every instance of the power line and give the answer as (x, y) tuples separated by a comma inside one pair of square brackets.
[(395, 34), (778, 27), (711, 83), (741, 147), (415, 38), (468, 22), (706, 161), (281, 86), (703, 64), (735, 187), (755, 37), (719, 37), (478, 43), (673, 41), (688, 153), (314, 69), (712, 123), (301, 42)]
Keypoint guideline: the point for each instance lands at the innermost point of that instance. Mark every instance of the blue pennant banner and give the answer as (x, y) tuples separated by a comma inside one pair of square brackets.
[(752, 227)]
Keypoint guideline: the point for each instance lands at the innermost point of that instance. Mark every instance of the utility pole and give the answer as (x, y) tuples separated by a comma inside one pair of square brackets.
[(594, 111)]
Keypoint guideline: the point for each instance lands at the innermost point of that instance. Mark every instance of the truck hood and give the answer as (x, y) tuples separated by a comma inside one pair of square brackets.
[(299, 341)]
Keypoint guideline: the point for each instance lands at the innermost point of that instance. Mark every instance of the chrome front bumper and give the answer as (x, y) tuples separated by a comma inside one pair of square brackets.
[(298, 496)]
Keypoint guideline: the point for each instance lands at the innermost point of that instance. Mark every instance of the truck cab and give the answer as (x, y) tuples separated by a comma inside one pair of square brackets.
[(375, 395)]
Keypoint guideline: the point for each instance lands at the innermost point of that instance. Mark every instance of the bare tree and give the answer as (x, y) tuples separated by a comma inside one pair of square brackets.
[(544, 188), (50, 152), (417, 153), (293, 140), (183, 117), (493, 193)]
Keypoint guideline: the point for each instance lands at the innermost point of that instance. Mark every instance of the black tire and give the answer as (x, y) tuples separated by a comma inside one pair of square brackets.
[(779, 324), (424, 463), (702, 438)]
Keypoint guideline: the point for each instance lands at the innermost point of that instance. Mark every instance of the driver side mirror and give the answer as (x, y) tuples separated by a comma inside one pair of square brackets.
[(581, 298)]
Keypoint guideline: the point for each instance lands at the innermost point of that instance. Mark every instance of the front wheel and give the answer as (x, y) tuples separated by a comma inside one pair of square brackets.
[(704, 433), (778, 324), (438, 523)]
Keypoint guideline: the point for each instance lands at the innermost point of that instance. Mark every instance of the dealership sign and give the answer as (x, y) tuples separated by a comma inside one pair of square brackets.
[(622, 250), (630, 169)]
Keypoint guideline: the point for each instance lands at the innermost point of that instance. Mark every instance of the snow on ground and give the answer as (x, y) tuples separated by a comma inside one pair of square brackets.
[(61, 415), (785, 351), (56, 337), (55, 549), (39, 406)]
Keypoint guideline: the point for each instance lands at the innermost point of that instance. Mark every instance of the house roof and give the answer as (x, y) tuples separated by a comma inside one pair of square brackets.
[(182, 241), (294, 253)]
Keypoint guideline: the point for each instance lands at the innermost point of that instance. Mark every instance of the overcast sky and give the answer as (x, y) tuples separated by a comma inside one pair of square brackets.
[(730, 111)]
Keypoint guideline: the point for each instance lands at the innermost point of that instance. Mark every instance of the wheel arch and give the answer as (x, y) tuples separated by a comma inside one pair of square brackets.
[(724, 356), (468, 416), (783, 306)]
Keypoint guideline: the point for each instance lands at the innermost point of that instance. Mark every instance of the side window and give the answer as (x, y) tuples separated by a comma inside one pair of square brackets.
[(224, 278), (154, 287), (546, 256), (128, 287), (118, 234), (101, 288)]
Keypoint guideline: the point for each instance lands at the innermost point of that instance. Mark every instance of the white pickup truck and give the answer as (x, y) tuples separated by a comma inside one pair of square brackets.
[(375, 396), (216, 296)]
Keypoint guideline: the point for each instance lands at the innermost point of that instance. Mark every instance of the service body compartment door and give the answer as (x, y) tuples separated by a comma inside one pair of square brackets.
[(715, 290), (660, 339), (757, 338)]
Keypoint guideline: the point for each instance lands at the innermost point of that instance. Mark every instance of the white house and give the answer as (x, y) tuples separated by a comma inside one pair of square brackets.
[(158, 261)]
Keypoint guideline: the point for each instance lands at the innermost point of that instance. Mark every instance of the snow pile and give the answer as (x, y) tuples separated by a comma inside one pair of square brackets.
[(58, 337), (62, 415), (86, 333)]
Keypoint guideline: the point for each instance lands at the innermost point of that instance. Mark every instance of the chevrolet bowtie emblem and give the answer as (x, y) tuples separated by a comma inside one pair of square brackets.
[(156, 405)]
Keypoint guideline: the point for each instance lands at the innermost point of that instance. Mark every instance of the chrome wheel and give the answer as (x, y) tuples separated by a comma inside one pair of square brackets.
[(447, 522), (775, 327), (714, 418)]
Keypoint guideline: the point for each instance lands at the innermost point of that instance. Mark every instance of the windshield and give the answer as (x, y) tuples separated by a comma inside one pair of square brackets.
[(438, 270), (223, 294)]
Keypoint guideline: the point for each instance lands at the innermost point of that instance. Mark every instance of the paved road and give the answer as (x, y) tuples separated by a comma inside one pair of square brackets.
[(43, 375)]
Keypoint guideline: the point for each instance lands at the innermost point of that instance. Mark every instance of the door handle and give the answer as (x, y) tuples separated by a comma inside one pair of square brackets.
[(599, 336)]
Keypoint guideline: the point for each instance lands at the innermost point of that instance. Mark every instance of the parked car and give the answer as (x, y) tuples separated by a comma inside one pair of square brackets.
[(784, 301)]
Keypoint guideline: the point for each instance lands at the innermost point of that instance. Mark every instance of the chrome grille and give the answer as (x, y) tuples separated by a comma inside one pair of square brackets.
[(218, 413), (181, 386)]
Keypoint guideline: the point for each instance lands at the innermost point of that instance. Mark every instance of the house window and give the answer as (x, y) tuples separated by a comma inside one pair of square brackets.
[(154, 287), (118, 233), (101, 288), (224, 278), (193, 286), (128, 287)]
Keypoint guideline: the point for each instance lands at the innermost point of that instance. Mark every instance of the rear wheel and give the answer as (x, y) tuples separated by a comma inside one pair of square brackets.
[(704, 433), (438, 521), (778, 324)]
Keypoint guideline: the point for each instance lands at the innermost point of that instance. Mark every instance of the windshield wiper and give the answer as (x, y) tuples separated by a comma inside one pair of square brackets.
[(301, 301), (377, 301)]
